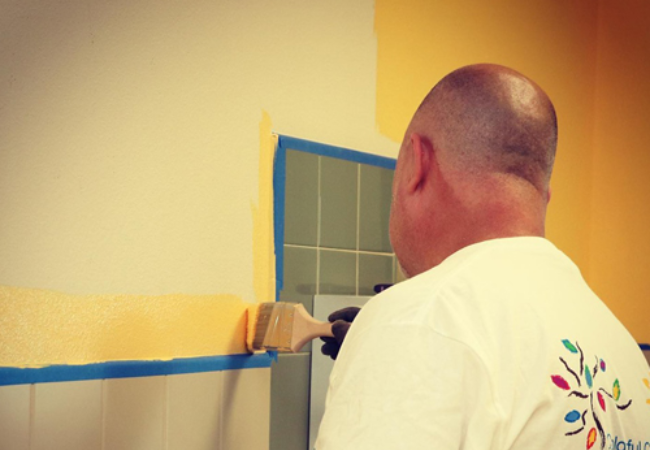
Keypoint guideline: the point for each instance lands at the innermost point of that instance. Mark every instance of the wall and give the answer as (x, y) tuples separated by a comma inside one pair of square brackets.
[(134, 147), (620, 205), (553, 42), (592, 59)]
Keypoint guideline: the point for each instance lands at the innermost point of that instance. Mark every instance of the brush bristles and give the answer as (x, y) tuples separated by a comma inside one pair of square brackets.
[(252, 313), (273, 327)]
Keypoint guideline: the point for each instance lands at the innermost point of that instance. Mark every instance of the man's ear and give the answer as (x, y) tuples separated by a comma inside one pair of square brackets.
[(421, 156)]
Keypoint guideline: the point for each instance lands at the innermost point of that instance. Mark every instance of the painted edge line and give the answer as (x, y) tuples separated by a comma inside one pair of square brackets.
[(132, 369), (292, 143)]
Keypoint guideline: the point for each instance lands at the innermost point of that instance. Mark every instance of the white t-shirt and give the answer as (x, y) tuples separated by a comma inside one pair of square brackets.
[(502, 346)]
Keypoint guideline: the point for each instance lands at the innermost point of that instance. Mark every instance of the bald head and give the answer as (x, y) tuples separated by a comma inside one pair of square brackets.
[(475, 164), (491, 119)]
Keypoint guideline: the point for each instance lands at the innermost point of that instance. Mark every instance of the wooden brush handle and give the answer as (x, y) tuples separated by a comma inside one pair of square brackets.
[(306, 328)]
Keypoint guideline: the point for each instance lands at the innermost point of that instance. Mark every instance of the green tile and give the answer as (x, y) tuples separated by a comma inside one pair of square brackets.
[(338, 193), (374, 208), (290, 402), (373, 270), (299, 279), (301, 198), (338, 272)]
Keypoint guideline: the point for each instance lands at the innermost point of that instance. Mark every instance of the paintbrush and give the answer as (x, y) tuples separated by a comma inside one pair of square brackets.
[(282, 327)]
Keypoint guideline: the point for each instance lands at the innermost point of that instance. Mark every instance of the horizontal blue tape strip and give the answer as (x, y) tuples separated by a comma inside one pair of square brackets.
[(645, 347), (288, 142), (129, 369)]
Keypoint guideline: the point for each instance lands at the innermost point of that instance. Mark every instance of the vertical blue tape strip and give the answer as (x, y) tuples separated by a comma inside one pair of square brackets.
[(279, 182)]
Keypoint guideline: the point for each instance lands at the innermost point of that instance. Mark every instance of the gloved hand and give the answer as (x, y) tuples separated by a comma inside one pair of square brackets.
[(341, 322)]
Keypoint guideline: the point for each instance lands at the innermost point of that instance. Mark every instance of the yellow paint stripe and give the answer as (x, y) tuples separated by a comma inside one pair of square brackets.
[(41, 327)]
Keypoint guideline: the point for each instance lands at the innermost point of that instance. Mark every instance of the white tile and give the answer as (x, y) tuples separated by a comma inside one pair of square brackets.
[(246, 409), (194, 411), (134, 413), (67, 415), (14, 417)]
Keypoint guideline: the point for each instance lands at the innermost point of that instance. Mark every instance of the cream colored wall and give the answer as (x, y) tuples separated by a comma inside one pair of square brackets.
[(132, 157), (620, 206)]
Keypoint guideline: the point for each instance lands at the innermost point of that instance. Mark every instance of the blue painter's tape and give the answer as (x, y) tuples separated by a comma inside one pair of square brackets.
[(292, 143), (130, 369), (645, 347), (279, 182)]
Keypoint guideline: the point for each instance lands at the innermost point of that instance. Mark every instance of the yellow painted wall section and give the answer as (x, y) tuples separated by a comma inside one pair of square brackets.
[(552, 42), (620, 239), (41, 327)]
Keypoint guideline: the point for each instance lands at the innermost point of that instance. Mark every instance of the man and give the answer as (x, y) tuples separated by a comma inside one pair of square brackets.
[(495, 341)]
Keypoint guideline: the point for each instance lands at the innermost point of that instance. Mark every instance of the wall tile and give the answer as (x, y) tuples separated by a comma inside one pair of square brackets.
[(194, 411), (299, 276), (374, 269), (290, 402), (301, 198), (300, 279), (14, 417), (246, 409), (68, 415), (134, 413), (338, 193), (374, 208), (337, 273)]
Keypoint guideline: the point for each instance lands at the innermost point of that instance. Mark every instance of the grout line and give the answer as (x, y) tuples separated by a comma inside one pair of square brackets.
[(221, 402), (165, 430), (342, 250), (103, 414), (32, 415), (358, 237), (318, 228)]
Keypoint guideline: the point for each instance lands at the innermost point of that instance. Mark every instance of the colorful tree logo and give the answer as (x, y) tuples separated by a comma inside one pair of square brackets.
[(581, 384)]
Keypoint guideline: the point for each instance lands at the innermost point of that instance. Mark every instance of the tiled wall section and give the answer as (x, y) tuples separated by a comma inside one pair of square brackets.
[(336, 227), (213, 410), (336, 242)]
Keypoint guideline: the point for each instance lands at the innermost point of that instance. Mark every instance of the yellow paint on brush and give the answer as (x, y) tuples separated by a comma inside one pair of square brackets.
[(41, 327)]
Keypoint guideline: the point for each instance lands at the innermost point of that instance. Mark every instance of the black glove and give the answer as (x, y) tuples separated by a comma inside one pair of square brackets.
[(341, 322)]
